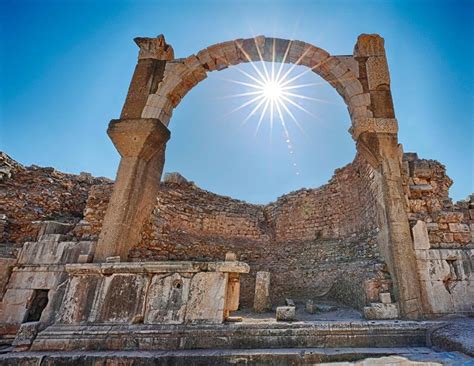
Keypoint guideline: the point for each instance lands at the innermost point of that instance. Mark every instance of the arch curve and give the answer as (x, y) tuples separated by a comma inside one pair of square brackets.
[(182, 74)]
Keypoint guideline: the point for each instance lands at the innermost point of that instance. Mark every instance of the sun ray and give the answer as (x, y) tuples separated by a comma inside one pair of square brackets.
[(262, 115), (285, 107), (257, 107), (244, 83), (262, 83), (253, 100), (305, 97)]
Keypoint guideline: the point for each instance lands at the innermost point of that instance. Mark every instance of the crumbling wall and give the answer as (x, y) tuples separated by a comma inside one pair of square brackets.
[(29, 194), (443, 234), (315, 242)]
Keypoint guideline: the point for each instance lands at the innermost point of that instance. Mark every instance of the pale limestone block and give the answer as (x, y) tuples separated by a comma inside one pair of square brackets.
[(351, 63), (207, 295), (14, 305), (360, 100), (337, 69), (377, 72), (166, 300), (437, 297), (385, 297), (233, 292), (113, 259), (421, 239), (230, 256), (381, 311), (262, 301), (285, 313)]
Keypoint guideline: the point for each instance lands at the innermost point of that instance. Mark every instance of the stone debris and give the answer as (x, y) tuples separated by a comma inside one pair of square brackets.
[(114, 259), (378, 311), (285, 313), (311, 307), (290, 302)]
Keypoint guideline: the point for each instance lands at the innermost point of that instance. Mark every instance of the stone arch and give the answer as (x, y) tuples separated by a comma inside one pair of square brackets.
[(159, 83), (181, 75)]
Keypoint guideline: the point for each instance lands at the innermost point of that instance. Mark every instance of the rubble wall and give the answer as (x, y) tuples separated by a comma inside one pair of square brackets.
[(315, 242), (29, 194), (443, 234)]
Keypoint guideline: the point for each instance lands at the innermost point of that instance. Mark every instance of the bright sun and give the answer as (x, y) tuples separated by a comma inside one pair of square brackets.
[(273, 93), (272, 90)]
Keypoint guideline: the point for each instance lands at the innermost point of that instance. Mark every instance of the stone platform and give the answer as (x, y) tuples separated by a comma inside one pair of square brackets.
[(233, 335)]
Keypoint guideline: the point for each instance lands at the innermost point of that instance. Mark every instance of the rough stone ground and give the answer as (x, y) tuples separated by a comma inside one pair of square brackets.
[(327, 311), (274, 357), (457, 335)]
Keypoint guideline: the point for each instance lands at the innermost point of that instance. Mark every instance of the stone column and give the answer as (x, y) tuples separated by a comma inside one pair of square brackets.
[(377, 140), (141, 144)]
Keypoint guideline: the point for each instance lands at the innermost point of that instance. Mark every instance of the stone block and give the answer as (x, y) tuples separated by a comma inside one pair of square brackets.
[(166, 301), (385, 297), (311, 307), (113, 259), (14, 305), (121, 298), (262, 301), (420, 236), (204, 287), (377, 72), (54, 227), (285, 313), (381, 311), (458, 228), (25, 336)]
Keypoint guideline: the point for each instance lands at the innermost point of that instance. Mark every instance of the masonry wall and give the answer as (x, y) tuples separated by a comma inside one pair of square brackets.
[(443, 237), (315, 242)]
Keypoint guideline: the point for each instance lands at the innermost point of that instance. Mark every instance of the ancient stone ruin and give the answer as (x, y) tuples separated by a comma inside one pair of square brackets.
[(163, 265)]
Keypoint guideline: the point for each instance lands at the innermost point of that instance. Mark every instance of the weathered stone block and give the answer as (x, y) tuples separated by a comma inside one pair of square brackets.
[(262, 301), (381, 311), (420, 236), (285, 313), (167, 296), (458, 228), (25, 336), (311, 307), (204, 287), (385, 297)]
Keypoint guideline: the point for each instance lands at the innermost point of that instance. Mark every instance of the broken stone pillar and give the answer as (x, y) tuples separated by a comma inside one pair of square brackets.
[(377, 141), (149, 72), (262, 301), (141, 144)]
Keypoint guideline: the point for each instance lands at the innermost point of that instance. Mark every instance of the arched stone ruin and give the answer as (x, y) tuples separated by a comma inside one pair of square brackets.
[(384, 224)]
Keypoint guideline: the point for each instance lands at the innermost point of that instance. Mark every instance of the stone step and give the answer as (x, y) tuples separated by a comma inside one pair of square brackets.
[(274, 357), (234, 335)]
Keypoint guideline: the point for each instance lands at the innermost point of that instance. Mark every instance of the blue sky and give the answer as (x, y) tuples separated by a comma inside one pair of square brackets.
[(66, 67)]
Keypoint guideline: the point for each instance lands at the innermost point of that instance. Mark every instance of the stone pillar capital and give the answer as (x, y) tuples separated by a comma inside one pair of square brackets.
[(138, 138), (155, 48), (369, 45), (373, 125)]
